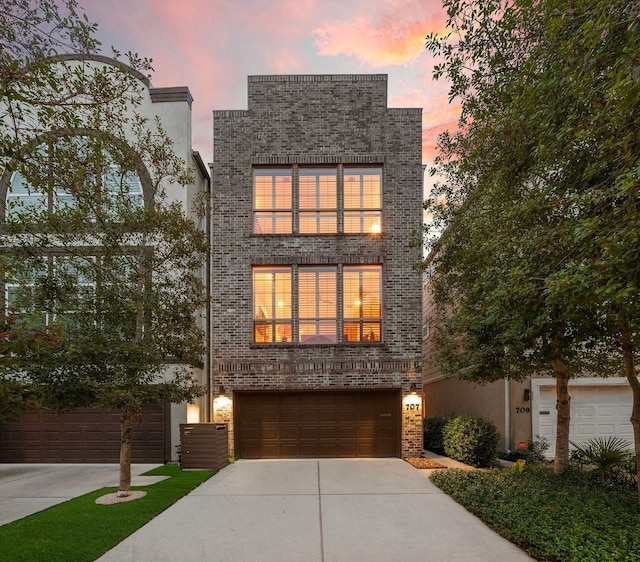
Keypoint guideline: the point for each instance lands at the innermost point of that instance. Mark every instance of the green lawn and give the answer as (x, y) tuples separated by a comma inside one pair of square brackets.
[(80, 530), (557, 518)]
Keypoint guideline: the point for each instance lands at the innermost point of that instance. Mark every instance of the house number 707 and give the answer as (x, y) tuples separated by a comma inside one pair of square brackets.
[(412, 406)]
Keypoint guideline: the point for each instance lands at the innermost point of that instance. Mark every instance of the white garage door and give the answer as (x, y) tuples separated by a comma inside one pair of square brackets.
[(599, 408)]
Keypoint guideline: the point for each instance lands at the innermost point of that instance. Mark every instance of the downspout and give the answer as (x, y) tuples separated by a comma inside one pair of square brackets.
[(507, 415)]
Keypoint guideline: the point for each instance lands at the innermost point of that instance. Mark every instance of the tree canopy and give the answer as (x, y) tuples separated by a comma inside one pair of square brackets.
[(102, 268), (534, 272)]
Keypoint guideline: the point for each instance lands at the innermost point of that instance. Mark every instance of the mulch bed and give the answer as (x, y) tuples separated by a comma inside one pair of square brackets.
[(424, 463)]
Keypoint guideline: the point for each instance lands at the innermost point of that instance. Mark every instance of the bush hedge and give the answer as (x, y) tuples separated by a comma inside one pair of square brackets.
[(553, 517), (432, 433), (468, 439)]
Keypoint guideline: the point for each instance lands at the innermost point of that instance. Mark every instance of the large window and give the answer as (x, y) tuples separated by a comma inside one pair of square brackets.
[(306, 200), (317, 293), (102, 176), (272, 201)]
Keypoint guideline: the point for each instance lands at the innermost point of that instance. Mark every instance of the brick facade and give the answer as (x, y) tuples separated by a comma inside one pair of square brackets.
[(317, 120)]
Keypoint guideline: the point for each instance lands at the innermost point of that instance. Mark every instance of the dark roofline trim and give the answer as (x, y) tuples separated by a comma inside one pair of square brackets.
[(200, 164), (171, 94)]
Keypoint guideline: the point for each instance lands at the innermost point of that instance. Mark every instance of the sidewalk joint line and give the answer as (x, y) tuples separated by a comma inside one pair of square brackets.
[(320, 515)]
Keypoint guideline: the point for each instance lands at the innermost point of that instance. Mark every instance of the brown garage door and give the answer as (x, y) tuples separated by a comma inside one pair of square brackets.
[(85, 435), (317, 424)]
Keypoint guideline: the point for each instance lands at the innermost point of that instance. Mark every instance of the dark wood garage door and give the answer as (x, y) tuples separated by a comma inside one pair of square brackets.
[(317, 424), (85, 435)]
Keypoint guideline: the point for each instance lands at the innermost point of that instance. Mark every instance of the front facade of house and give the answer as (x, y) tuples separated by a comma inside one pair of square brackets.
[(315, 309)]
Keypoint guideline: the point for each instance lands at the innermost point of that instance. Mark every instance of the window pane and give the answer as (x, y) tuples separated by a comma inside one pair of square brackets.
[(22, 198), (362, 222), (318, 189), (318, 223), (272, 223)]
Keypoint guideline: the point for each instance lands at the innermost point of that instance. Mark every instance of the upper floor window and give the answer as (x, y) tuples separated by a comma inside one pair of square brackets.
[(306, 200), (105, 179), (272, 201), (317, 292), (318, 201), (362, 200)]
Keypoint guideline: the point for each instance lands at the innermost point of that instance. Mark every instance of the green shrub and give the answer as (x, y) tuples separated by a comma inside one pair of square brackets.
[(432, 432), (471, 440), (553, 517), (610, 456)]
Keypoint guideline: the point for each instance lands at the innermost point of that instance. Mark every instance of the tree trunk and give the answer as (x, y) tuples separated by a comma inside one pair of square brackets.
[(563, 407), (634, 383), (126, 439)]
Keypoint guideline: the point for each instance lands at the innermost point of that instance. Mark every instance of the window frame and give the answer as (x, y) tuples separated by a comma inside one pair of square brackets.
[(296, 321), (317, 321), (274, 211), (362, 211), (368, 217), (270, 324), (318, 212)]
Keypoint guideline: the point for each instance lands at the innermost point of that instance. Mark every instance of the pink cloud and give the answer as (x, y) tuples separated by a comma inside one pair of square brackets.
[(394, 36)]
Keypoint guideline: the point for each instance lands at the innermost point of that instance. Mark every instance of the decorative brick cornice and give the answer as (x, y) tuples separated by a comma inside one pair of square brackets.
[(371, 366)]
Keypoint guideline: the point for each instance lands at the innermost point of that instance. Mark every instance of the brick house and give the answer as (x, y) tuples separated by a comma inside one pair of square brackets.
[(316, 307)]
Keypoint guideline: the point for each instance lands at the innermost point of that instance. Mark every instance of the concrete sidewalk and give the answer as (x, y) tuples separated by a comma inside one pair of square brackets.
[(316, 510), (29, 488)]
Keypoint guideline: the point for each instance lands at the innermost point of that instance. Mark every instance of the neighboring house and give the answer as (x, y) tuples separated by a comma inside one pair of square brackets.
[(600, 407), (317, 192), (90, 434)]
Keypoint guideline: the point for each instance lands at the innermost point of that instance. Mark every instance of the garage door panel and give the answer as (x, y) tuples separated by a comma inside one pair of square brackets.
[(596, 411), (317, 424), (86, 435)]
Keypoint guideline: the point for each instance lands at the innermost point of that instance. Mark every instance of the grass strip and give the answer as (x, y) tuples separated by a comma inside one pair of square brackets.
[(80, 530), (552, 517)]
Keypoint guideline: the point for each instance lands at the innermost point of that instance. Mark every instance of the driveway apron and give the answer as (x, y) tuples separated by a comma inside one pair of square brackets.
[(316, 510)]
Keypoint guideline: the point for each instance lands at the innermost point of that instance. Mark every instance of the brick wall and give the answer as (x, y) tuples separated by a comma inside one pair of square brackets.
[(334, 120)]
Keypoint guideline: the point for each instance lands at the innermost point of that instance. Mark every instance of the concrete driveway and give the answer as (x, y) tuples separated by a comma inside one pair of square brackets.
[(316, 510), (28, 488)]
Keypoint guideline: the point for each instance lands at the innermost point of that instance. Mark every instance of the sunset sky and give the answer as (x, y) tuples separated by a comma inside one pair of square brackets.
[(211, 46)]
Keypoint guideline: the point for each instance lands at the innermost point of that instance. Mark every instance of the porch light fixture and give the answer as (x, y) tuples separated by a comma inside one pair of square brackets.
[(221, 391), (527, 394), (413, 388)]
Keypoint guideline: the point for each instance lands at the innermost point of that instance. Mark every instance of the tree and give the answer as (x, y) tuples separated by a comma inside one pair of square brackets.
[(110, 267), (547, 146)]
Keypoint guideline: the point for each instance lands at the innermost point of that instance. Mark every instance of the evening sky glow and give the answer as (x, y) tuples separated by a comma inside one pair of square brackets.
[(211, 46)]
